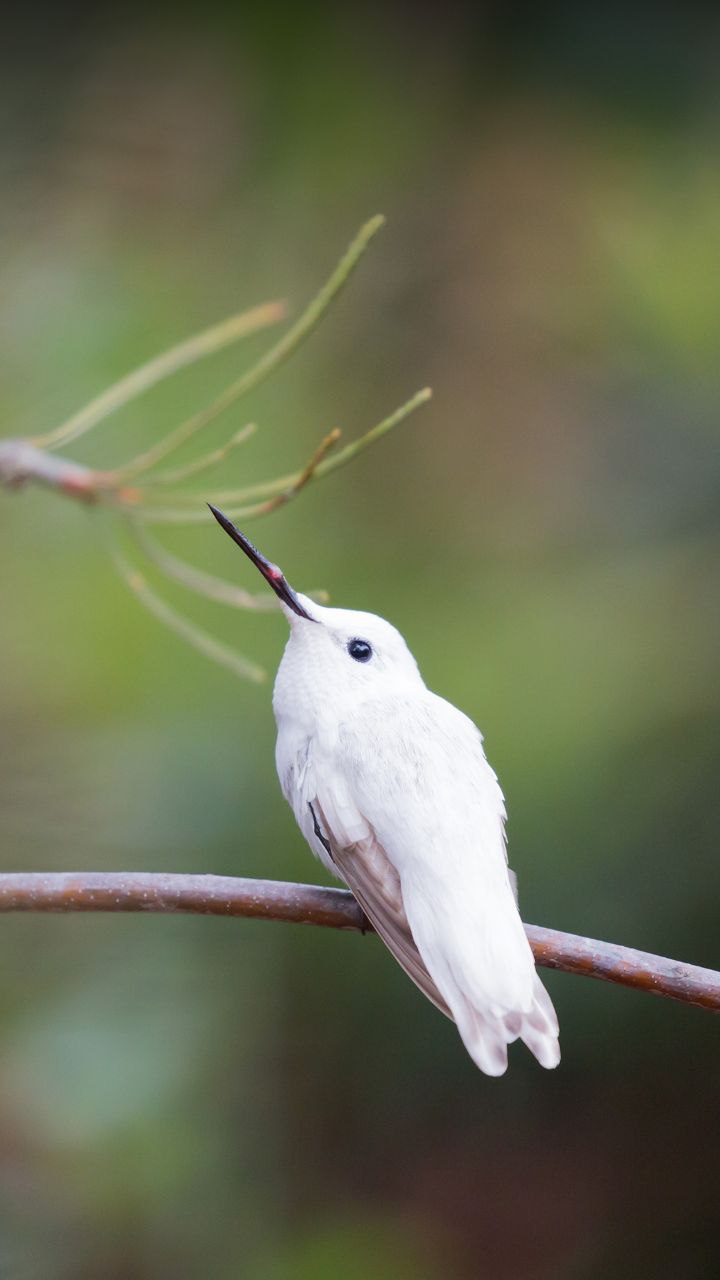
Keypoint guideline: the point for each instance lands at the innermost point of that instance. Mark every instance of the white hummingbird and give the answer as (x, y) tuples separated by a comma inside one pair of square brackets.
[(390, 786)]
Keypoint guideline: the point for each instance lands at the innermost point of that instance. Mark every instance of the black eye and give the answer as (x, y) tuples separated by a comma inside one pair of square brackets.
[(360, 650)]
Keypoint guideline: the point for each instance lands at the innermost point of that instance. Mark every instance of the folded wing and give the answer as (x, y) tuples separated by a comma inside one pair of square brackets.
[(368, 872), (415, 828)]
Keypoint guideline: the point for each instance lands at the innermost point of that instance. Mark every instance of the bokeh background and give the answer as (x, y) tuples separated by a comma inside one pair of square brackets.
[(207, 1098)]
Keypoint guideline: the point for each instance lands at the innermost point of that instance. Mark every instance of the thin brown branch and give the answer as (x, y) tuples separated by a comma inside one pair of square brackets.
[(333, 909), (21, 462), (235, 501), (304, 478)]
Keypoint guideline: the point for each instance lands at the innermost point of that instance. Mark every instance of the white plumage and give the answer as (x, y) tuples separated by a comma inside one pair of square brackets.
[(391, 789)]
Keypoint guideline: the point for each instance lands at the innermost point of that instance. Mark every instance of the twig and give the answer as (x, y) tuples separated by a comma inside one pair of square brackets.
[(219, 590), (333, 909), (310, 469), (233, 501), (143, 495), (267, 488), (196, 580), (277, 354), (163, 366), (182, 626), (175, 475), (21, 461)]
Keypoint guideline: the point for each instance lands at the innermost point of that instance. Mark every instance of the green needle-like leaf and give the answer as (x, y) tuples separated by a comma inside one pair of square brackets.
[(163, 366), (266, 364)]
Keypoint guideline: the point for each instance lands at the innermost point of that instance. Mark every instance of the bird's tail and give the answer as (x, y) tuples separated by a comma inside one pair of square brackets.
[(486, 1033)]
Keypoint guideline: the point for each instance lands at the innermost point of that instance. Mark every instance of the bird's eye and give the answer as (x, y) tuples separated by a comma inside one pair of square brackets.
[(360, 650)]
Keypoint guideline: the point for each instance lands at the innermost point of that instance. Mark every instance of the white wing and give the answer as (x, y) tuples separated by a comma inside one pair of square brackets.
[(413, 816), (366, 869), (346, 844)]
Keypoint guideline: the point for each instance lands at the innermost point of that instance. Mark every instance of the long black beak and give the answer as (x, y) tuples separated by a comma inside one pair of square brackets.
[(269, 571)]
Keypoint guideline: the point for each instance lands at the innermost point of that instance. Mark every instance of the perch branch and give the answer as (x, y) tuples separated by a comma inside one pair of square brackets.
[(333, 909)]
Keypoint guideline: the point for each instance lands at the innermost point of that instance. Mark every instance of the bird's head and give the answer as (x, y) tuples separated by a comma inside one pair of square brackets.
[(332, 652)]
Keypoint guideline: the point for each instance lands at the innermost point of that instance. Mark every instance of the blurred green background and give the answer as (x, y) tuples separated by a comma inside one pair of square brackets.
[(207, 1098)]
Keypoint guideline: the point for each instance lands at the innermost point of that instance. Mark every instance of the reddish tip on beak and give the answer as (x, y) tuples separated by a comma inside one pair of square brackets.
[(270, 572)]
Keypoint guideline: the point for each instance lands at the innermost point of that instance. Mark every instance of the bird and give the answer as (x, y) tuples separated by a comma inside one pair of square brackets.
[(392, 791)]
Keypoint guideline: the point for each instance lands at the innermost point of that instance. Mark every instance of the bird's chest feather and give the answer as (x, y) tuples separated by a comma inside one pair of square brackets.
[(296, 757)]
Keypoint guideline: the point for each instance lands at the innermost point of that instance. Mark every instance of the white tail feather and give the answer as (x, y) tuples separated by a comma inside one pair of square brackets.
[(540, 1028), (486, 1036)]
